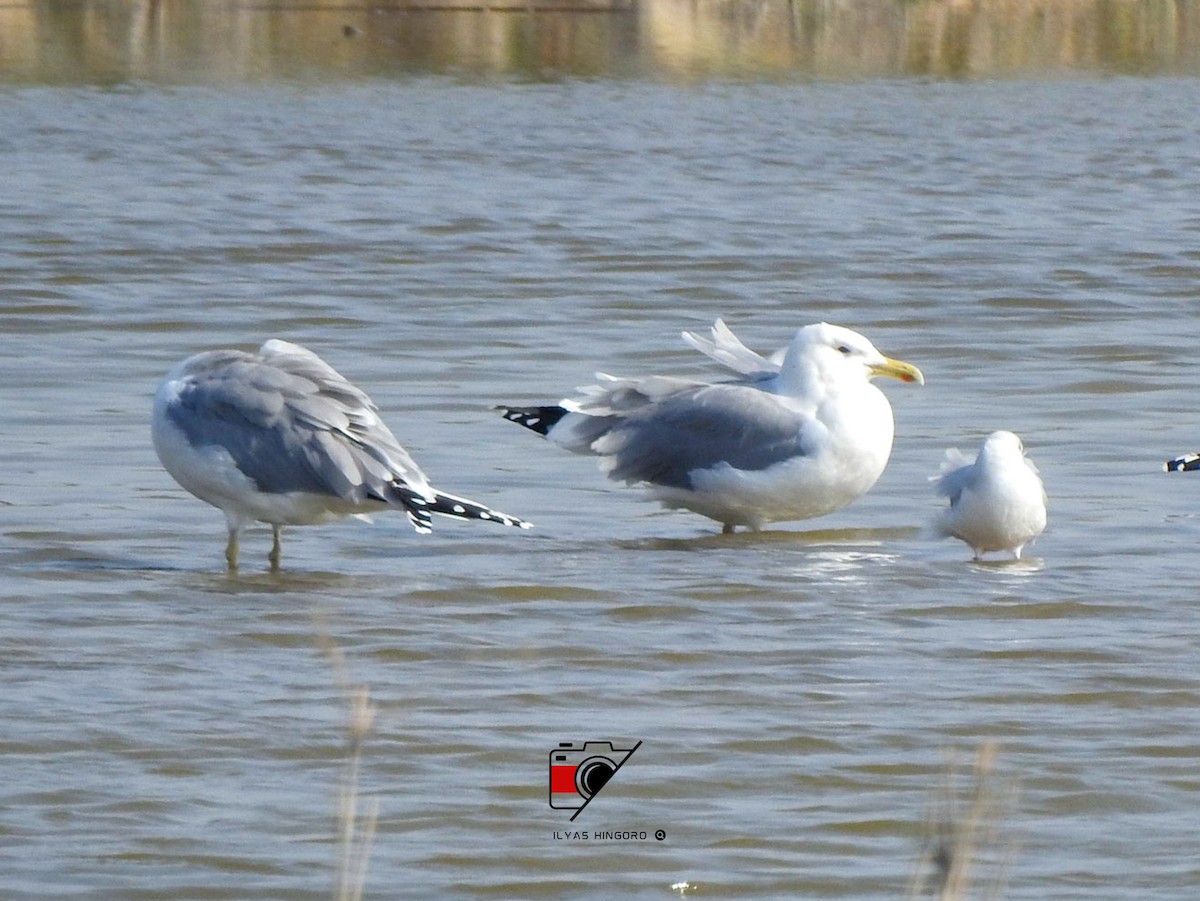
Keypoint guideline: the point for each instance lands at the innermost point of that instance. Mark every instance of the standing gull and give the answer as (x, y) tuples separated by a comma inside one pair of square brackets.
[(997, 501), (279, 436), (796, 435)]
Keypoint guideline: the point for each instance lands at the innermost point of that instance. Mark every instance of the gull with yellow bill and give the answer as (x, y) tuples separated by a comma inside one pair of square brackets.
[(794, 436)]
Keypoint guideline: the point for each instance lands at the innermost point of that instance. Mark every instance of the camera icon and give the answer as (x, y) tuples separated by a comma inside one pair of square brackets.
[(578, 770)]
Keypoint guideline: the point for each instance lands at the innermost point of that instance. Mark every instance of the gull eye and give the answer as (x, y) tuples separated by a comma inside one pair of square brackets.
[(844, 349)]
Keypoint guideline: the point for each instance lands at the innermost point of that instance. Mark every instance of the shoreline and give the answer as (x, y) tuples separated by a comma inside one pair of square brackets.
[(173, 41)]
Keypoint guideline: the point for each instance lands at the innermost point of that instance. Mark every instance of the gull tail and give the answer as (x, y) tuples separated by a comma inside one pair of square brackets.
[(461, 508), (538, 419), (1186, 463)]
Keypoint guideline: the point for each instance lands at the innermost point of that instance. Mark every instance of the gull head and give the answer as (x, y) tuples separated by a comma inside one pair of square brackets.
[(1000, 446), (836, 352)]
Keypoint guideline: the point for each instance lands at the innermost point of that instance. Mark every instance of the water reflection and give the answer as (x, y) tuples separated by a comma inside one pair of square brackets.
[(190, 40), (812, 537)]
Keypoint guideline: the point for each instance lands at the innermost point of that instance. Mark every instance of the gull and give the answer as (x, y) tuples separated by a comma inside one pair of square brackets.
[(1183, 463), (997, 500), (796, 435), (279, 436)]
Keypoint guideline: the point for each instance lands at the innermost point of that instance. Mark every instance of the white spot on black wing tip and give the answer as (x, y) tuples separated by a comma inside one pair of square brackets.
[(459, 508)]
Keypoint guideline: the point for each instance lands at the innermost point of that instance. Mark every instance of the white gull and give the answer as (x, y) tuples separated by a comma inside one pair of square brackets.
[(997, 500)]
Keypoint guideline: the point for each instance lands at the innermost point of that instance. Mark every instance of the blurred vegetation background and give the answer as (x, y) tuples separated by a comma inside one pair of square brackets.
[(111, 41)]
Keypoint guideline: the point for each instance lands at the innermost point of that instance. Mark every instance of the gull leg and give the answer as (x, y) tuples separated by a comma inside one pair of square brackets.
[(231, 550), (276, 550)]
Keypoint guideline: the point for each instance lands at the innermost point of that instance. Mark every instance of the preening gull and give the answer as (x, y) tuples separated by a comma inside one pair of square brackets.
[(997, 501), (796, 435), (279, 436), (1183, 463)]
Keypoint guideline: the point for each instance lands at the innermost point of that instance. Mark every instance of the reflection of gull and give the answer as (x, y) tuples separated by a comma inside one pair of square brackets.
[(798, 435), (997, 502), (279, 436)]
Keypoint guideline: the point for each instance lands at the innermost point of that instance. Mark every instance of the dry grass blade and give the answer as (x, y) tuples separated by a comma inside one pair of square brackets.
[(965, 842), (355, 829)]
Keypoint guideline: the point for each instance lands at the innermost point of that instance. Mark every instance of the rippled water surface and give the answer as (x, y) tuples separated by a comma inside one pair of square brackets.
[(171, 732)]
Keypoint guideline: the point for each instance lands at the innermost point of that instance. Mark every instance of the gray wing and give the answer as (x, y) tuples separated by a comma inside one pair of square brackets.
[(664, 443), (958, 473), (293, 423)]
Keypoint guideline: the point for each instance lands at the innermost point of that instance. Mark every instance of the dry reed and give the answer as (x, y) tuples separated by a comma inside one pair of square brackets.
[(965, 842), (354, 827)]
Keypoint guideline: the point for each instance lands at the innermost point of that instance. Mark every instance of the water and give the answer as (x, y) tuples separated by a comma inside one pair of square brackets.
[(173, 732)]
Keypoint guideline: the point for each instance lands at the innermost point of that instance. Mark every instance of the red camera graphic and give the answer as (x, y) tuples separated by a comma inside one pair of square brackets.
[(578, 770)]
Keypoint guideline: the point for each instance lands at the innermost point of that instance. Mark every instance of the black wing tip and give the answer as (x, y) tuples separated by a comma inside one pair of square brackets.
[(537, 419), (420, 512), (417, 511), (1184, 463), (461, 508)]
